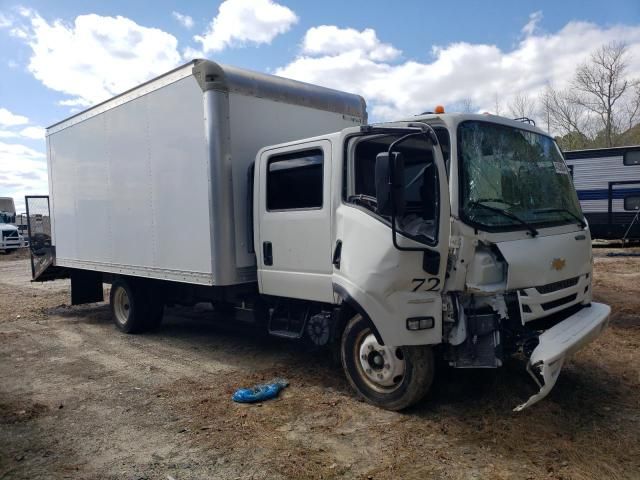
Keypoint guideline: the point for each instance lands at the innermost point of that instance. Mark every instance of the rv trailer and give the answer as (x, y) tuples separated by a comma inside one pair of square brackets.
[(608, 184)]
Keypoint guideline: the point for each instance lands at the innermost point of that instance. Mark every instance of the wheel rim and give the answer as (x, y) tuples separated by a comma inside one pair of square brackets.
[(121, 305), (380, 366)]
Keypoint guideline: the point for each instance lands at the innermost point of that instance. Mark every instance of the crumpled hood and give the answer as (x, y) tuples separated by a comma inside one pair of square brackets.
[(541, 260)]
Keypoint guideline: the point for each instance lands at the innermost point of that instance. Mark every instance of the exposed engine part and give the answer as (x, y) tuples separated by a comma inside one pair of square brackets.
[(529, 344), (455, 325), (499, 305), (449, 308), (482, 345), (486, 272), (515, 337), (319, 328)]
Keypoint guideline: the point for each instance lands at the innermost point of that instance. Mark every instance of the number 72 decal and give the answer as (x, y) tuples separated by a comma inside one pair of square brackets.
[(432, 284)]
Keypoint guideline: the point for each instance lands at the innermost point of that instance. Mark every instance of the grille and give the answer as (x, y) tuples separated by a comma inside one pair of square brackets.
[(9, 234), (561, 285), (558, 302)]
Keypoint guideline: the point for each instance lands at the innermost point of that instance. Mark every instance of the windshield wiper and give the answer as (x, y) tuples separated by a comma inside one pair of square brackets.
[(581, 221), (507, 214)]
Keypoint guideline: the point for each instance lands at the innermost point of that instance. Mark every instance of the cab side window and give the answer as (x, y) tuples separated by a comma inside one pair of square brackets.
[(421, 187), (294, 180)]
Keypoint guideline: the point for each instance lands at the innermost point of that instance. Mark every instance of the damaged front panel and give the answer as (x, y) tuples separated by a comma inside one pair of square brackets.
[(560, 341)]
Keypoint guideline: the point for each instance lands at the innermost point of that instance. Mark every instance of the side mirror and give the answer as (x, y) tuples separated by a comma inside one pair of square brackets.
[(390, 181)]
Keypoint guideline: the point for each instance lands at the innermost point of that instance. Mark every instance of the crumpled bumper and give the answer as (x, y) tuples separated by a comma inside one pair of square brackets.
[(558, 343)]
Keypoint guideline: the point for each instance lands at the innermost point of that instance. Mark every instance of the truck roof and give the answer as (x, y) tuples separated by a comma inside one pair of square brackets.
[(451, 120), (454, 118), (214, 76)]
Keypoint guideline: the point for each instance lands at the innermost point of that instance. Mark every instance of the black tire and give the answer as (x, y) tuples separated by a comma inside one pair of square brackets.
[(408, 388), (133, 307)]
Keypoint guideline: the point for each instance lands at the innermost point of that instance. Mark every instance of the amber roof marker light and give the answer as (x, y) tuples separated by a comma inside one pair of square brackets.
[(439, 109)]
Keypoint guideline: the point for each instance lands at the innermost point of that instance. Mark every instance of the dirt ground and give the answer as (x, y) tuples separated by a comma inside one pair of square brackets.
[(80, 400)]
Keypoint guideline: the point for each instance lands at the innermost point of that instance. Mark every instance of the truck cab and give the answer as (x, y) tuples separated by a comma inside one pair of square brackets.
[(10, 236), (458, 235)]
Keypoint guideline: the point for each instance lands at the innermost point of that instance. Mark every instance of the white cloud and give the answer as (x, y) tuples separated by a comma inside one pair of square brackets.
[(72, 102), (95, 57), (190, 53), (9, 119), (456, 71), (185, 20), (532, 25), (34, 133), (331, 40), (241, 22), (23, 171), (10, 151), (5, 21)]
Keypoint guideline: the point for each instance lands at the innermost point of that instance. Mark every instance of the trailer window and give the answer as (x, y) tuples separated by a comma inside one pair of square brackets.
[(632, 158), (632, 203), (294, 180)]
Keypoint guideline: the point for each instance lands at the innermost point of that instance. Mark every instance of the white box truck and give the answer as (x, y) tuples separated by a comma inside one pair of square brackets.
[(456, 235), (10, 236)]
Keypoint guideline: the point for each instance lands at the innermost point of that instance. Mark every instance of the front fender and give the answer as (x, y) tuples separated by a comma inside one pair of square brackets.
[(390, 320)]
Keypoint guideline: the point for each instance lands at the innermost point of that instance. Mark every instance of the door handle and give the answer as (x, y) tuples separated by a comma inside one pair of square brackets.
[(337, 254), (267, 253)]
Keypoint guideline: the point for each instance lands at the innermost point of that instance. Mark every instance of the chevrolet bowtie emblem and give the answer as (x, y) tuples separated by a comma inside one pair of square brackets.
[(558, 263)]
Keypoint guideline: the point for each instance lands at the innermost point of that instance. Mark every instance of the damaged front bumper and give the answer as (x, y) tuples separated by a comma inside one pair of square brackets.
[(558, 343)]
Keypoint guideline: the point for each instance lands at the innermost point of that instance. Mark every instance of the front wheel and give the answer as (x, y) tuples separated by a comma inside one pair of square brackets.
[(392, 378)]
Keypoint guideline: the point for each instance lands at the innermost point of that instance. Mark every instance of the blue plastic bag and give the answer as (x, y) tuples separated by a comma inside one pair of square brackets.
[(260, 392)]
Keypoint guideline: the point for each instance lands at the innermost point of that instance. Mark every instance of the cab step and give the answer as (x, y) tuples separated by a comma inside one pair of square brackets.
[(286, 334)]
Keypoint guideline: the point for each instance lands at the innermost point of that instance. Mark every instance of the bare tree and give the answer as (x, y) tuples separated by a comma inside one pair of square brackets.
[(631, 109), (601, 87), (561, 112), (466, 105), (497, 104), (522, 105), (565, 117)]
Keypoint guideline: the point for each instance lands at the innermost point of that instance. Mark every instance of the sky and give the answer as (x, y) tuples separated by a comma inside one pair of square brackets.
[(58, 58)]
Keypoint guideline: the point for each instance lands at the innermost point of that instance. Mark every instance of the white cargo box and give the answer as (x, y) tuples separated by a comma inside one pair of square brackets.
[(154, 182)]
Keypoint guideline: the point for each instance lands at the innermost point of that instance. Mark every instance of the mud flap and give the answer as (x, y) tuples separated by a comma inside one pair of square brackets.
[(559, 342)]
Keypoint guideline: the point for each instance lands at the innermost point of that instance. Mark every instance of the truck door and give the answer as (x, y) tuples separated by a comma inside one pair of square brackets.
[(293, 219), (397, 282)]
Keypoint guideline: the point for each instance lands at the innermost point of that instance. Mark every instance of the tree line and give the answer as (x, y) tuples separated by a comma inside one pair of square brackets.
[(599, 108)]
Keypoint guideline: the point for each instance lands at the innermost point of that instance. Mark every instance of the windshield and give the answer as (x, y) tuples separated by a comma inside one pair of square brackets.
[(520, 175)]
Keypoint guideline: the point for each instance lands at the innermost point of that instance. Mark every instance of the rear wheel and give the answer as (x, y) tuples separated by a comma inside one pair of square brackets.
[(388, 377), (133, 306)]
